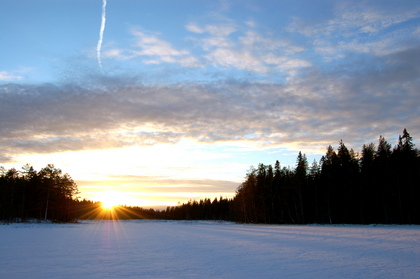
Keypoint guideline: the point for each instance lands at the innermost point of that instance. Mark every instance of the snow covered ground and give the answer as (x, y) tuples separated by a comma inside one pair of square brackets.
[(170, 249)]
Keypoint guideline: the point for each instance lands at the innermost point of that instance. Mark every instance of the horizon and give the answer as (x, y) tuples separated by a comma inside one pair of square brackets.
[(159, 102)]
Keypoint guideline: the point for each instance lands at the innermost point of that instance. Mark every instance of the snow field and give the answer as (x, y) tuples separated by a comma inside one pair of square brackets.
[(171, 249)]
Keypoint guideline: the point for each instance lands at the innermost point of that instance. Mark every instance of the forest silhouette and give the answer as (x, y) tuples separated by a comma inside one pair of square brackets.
[(378, 185)]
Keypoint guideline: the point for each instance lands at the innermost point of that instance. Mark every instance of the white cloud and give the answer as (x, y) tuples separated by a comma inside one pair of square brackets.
[(218, 35), (251, 23), (9, 76), (369, 19), (118, 54), (252, 39), (150, 45), (190, 62), (192, 27), (239, 60), (222, 30), (250, 51), (218, 30), (153, 50), (285, 62), (360, 28), (224, 44)]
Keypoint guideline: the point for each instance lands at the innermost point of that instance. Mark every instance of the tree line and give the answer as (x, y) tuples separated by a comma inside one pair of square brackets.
[(47, 194), (50, 194), (204, 209), (379, 185)]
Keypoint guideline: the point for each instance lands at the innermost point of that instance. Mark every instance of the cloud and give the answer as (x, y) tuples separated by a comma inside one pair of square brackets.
[(219, 30), (151, 45), (368, 18), (248, 50), (153, 50), (366, 85), (224, 45), (101, 34), (165, 184), (240, 60), (192, 27), (118, 54), (361, 28), (9, 76), (313, 109)]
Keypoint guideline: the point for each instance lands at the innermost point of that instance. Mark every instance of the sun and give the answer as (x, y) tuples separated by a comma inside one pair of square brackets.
[(108, 205), (109, 200)]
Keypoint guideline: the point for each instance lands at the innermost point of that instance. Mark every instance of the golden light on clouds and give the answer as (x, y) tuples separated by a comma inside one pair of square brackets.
[(147, 176)]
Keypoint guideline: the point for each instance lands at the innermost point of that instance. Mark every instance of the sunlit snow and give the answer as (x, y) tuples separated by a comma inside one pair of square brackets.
[(181, 249)]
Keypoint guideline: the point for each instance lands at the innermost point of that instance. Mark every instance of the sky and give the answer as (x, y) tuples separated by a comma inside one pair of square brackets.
[(156, 102)]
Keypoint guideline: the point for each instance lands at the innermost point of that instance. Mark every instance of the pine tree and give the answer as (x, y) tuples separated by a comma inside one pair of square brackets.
[(406, 166), (301, 183)]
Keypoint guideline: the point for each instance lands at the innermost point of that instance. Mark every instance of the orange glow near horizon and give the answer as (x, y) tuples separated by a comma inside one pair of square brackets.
[(108, 205), (109, 200), (141, 178)]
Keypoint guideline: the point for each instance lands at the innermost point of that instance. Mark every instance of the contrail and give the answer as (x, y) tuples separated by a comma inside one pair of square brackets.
[(101, 34)]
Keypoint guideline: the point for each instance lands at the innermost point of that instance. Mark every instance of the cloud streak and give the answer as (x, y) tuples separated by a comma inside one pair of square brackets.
[(101, 34)]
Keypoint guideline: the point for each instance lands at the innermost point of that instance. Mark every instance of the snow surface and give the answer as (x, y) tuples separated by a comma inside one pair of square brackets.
[(171, 249)]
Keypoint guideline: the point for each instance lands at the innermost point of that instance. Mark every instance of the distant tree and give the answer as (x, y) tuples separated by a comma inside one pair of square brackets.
[(278, 212), (405, 163), (301, 171), (368, 156), (346, 196), (329, 171), (405, 143), (368, 190), (312, 196)]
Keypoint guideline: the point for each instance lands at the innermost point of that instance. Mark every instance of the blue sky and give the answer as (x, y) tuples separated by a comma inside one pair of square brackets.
[(181, 97)]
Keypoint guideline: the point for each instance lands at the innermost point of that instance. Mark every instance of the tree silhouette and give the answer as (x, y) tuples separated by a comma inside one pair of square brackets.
[(379, 186)]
